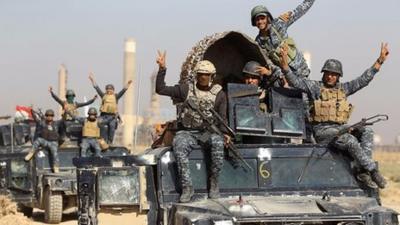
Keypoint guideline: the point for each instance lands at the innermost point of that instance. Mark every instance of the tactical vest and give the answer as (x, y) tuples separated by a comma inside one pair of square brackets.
[(91, 129), (331, 107), (188, 117), (275, 53), (49, 132), (109, 104), (71, 108)]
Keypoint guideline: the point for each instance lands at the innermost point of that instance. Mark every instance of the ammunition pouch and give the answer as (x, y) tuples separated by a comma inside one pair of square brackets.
[(109, 104), (331, 107), (275, 54)]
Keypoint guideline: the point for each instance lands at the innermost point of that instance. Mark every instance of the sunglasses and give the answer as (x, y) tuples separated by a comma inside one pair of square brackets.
[(49, 115)]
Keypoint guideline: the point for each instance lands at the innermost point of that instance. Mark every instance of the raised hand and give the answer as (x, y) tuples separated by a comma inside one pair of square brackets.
[(91, 77), (382, 56), (161, 59), (129, 83), (284, 57), (263, 71), (384, 52)]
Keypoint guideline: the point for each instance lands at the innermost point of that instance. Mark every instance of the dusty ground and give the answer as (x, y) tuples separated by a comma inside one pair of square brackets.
[(389, 163), (9, 214)]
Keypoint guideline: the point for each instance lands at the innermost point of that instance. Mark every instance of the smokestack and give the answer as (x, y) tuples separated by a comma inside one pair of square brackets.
[(129, 104), (154, 101), (307, 57), (62, 84)]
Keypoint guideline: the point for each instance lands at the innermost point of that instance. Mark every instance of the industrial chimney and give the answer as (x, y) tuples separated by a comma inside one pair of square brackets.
[(129, 104), (62, 84)]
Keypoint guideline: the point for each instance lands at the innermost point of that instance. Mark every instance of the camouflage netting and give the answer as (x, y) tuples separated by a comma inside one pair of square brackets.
[(228, 51), (9, 214)]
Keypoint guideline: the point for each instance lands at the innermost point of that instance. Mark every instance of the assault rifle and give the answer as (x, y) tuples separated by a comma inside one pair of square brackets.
[(211, 126), (364, 122)]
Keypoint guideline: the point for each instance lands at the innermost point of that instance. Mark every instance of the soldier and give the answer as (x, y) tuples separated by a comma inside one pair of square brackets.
[(69, 105), (330, 112), (48, 137), (253, 74), (273, 33), (190, 125), (91, 133), (109, 106)]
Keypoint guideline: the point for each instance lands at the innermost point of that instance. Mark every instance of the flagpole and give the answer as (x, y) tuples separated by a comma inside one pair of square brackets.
[(12, 136)]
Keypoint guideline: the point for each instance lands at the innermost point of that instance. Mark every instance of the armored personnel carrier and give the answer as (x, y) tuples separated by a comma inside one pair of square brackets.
[(33, 184), (291, 180)]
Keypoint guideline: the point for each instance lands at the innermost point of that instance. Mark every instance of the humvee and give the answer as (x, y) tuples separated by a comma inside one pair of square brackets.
[(292, 180), (33, 184)]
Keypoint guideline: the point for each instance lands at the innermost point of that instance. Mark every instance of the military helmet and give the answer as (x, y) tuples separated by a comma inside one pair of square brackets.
[(92, 111), (251, 68), (333, 65), (49, 112), (259, 10), (109, 86), (205, 66), (70, 93)]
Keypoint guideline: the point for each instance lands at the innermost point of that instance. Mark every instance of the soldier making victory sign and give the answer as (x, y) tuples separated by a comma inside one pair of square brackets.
[(109, 106), (330, 112), (205, 95), (273, 34)]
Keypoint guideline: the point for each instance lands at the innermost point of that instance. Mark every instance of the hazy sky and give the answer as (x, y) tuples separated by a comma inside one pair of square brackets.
[(37, 36)]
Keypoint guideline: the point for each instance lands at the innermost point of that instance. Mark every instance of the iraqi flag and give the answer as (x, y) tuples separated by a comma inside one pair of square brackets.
[(23, 112)]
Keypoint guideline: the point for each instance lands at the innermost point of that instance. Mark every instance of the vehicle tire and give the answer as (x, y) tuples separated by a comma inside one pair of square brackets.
[(27, 211), (53, 206)]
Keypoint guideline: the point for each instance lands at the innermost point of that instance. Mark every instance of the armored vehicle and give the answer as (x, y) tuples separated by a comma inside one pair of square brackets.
[(291, 180), (33, 184)]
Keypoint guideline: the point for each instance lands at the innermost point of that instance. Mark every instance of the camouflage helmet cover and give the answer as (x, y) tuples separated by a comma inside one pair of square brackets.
[(92, 111), (259, 10), (109, 86), (49, 112), (251, 68), (205, 66), (333, 65), (70, 93)]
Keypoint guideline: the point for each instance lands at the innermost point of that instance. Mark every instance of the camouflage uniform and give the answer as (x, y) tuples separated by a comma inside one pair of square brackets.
[(76, 105), (91, 141), (358, 143), (183, 143), (47, 138), (273, 41), (111, 118), (88, 144), (52, 146), (191, 129)]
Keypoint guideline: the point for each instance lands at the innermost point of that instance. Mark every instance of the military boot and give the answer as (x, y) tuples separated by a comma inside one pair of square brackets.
[(214, 189), (29, 156), (187, 194), (378, 178), (366, 179)]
